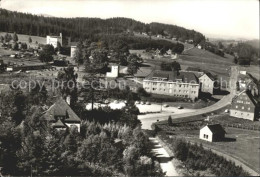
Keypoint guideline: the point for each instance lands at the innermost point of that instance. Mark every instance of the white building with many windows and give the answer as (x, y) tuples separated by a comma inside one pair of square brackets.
[(182, 84)]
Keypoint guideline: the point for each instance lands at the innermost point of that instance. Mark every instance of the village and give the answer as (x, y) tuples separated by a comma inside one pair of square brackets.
[(118, 97)]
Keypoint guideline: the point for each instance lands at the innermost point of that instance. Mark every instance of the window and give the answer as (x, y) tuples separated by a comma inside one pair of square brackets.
[(236, 106), (206, 136), (248, 109), (243, 107)]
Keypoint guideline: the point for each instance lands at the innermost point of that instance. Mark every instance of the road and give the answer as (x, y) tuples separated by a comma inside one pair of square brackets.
[(148, 119), (163, 158)]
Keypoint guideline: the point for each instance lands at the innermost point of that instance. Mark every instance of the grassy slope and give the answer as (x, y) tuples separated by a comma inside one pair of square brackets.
[(24, 38)]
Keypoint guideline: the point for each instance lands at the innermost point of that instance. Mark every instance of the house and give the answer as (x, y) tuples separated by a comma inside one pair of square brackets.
[(244, 106), (53, 40), (114, 71), (199, 46), (212, 133), (207, 83), (159, 36), (172, 83), (247, 82), (61, 116)]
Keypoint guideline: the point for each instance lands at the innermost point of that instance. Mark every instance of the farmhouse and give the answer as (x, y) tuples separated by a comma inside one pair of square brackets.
[(61, 116), (248, 82), (53, 40), (182, 84), (207, 83), (244, 106), (212, 133)]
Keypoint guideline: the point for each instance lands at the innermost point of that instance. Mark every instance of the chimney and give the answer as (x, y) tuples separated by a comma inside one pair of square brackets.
[(68, 99)]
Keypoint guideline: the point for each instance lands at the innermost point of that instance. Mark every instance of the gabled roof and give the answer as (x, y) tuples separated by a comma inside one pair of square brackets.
[(61, 108), (185, 77), (216, 128), (248, 95), (209, 75)]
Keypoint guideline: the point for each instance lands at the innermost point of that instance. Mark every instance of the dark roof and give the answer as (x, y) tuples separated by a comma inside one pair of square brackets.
[(216, 128), (186, 77), (210, 76), (244, 97), (248, 78), (61, 108)]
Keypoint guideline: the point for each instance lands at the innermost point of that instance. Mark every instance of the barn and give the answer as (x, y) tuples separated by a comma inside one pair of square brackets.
[(212, 133)]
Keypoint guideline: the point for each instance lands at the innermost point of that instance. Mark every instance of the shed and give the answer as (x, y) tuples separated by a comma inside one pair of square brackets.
[(212, 133)]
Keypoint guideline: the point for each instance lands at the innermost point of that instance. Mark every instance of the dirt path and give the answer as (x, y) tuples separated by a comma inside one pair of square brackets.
[(163, 158)]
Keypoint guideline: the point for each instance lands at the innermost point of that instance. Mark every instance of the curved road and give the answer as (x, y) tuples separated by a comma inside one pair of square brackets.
[(148, 119)]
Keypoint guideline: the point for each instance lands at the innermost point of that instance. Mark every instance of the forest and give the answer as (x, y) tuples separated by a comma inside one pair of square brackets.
[(104, 147), (24, 23)]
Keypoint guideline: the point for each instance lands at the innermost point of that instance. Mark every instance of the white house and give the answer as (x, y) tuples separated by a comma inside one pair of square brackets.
[(114, 71), (212, 133), (53, 40), (207, 83)]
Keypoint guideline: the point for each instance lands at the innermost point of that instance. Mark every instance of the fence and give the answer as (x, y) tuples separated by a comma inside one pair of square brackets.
[(241, 126)]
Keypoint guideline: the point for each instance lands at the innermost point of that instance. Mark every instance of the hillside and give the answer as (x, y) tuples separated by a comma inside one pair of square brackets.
[(24, 23), (254, 43)]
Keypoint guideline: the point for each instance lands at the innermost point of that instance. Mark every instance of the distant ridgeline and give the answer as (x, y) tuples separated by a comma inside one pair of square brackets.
[(23, 23)]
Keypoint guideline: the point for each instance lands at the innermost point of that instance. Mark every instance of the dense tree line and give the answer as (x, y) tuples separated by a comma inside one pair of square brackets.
[(24, 23), (180, 33), (196, 158), (30, 146)]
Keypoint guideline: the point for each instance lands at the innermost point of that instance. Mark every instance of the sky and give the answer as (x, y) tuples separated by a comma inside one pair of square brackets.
[(213, 18)]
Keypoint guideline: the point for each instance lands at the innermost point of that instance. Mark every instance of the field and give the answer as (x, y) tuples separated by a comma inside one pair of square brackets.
[(237, 142), (241, 144), (24, 38)]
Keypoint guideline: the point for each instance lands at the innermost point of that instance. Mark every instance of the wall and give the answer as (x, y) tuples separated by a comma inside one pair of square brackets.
[(206, 131), (242, 114), (207, 85), (185, 90)]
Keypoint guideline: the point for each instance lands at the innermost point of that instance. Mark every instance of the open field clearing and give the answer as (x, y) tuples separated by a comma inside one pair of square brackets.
[(24, 38), (237, 142)]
